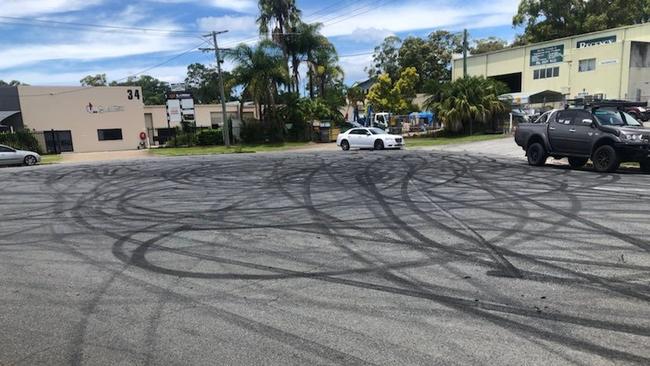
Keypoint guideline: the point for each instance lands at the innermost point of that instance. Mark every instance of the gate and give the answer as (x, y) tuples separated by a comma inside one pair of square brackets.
[(57, 142)]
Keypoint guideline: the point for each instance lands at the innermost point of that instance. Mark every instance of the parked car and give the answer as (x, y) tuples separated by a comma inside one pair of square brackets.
[(368, 138), (11, 156), (605, 134)]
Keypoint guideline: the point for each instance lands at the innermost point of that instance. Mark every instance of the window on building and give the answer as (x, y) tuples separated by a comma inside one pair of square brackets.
[(587, 65), (551, 72), (109, 134)]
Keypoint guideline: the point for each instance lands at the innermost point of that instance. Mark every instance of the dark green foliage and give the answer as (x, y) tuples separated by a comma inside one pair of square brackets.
[(545, 20), (182, 140), (252, 132), (153, 90), (203, 82), (468, 104), (21, 140), (210, 137)]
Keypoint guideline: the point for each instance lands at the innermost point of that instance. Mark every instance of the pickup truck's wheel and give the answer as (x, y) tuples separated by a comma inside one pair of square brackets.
[(577, 162), (536, 154), (605, 159), (645, 166)]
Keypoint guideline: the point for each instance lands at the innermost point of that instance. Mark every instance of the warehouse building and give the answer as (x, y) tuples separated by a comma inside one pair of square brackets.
[(612, 64), (90, 119)]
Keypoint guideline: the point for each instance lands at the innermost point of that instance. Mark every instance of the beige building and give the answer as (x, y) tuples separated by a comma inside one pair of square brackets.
[(88, 119), (206, 116), (612, 64)]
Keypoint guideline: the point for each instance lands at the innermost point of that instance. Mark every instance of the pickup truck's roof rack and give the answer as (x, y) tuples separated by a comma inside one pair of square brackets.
[(601, 103)]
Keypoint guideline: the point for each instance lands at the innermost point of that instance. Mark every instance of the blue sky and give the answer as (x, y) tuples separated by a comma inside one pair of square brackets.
[(46, 53)]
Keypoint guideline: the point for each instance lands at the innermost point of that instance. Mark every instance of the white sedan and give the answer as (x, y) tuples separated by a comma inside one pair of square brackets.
[(368, 138)]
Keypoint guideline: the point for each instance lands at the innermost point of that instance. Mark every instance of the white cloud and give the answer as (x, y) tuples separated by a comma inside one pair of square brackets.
[(91, 46), (170, 74), (365, 35), (353, 67), (20, 8), (235, 5), (426, 15)]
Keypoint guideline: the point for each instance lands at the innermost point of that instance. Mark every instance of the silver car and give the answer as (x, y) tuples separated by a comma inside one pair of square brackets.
[(11, 156)]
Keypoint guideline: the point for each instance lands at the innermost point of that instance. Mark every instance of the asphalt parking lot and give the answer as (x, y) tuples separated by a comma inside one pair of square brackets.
[(310, 258)]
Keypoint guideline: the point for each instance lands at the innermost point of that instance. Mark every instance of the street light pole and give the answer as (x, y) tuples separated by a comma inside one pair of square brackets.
[(217, 54)]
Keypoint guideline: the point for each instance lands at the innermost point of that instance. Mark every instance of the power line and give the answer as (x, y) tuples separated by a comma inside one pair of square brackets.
[(359, 11), (76, 90), (102, 26)]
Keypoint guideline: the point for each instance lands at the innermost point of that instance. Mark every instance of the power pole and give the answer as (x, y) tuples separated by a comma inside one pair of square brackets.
[(465, 45), (217, 54)]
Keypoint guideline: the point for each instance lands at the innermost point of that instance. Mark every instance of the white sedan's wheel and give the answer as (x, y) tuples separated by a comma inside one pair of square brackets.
[(379, 145), (345, 145)]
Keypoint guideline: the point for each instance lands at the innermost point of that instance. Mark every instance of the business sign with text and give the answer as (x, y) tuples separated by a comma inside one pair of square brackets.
[(596, 42), (547, 55)]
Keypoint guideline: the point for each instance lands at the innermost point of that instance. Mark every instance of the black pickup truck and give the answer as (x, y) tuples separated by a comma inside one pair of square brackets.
[(606, 134)]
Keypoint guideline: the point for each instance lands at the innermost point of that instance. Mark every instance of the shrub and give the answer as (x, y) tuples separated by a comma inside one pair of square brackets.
[(23, 140), (251, 132), (182, 140), (210, 137)]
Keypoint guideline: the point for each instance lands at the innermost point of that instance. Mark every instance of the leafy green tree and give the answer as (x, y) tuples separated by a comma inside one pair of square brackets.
[(545, 20), (431, 57), (487, 45), (385, 59), (466, 101), (203, 82), (396, 97), (405, 90), (94, 80), (153, 90)]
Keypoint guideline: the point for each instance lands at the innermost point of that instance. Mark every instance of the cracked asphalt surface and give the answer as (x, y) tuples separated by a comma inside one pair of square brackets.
[(387, 258)]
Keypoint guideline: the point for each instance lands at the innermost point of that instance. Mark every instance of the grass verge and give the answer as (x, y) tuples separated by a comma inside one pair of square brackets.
[(51, 159), (209, 150), (436, 141)]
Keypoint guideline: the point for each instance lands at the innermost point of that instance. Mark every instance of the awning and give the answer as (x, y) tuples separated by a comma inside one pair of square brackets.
[(538, 97), (6, 114)]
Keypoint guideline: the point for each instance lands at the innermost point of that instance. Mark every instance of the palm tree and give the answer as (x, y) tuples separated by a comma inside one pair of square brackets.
[(467, 100), (325, 67), (301, 45), (260, 71), (276, 18)]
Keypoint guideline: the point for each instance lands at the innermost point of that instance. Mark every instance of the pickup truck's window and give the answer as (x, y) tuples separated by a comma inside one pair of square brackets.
[(579, 116), (543, 118), (564, 117), (615, 118)]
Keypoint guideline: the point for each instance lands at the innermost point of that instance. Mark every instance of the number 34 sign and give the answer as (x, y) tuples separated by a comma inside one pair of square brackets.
[(133, 94)]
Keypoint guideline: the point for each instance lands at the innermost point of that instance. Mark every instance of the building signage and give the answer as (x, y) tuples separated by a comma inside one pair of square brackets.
[(96, 109), (180, 107), (547, 55), (609, 62), (596, 42), (174, 111)]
